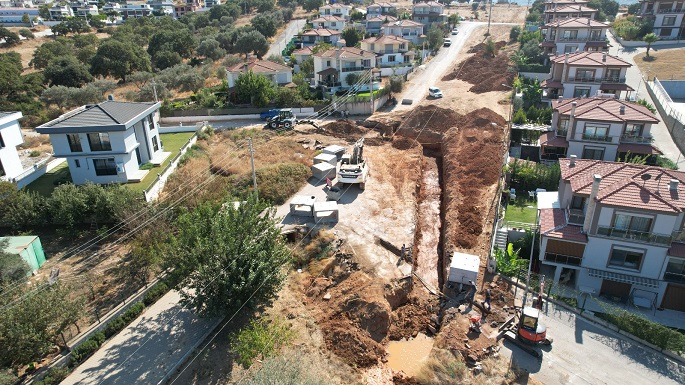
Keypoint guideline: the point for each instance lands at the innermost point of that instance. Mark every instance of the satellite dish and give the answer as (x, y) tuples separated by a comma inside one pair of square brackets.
[(646, 177)]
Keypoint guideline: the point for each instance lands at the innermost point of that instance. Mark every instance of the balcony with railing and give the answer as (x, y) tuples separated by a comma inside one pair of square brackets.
[(634, 235), (562, 132), (674, 277), (353, 69), (625, 138), (670, 10), (563, 259), (598, 138), (575, 216)]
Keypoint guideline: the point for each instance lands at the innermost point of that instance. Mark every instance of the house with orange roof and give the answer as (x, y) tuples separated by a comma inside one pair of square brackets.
[(567, 9), (428, 13), (329, 22), (374, 24), (574, 34), (332, 67), (616, 230), (336, 9), (598, 128), (381, 9), (407, 29), (278, 73), (667, 17), (392, 53), (319, 35), (585, 74)]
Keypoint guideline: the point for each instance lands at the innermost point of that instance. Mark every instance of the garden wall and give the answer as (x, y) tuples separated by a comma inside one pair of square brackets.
[(674, 121)]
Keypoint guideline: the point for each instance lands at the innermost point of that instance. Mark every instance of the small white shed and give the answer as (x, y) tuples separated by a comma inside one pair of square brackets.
[(463, 267)]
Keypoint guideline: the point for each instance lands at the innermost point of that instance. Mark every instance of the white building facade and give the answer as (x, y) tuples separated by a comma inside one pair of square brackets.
[(668, 17), (10, 138)]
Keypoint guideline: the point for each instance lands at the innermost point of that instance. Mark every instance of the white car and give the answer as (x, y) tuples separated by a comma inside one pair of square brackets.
[(447, 42), (455, 31), (434, 92)]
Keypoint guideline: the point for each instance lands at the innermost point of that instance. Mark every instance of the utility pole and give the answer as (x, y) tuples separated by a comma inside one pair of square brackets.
[(530, 261), (489, 17), (254, 175), (371, 89)]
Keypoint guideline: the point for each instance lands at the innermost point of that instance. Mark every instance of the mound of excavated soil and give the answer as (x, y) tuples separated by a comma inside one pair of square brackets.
[(402, 143), (486, 73), (353, 346), (427, 124), (480, 47), (344, 128), (409, 320)]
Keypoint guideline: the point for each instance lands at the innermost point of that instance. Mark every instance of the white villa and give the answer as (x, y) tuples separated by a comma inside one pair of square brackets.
[(277, 73), (10, 138)]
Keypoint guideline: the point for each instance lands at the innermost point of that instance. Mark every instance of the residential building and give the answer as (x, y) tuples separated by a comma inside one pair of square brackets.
[(212, 3), (332, 67), (107, 142), (321, 35), (428, 13), (10, 138), (407, 29), (14, 15), (598, 128), (381, 9), (616, 230), (329, 22), (373, 25), (135, 10), (162, 6), (391, 51), (23, 4), (110, 8), (277, 73), (565, 9), (574, 34), (585, 74), (60, 12), (668, 17), (301, 55), (87, 10), (340, 10), (189, 6)]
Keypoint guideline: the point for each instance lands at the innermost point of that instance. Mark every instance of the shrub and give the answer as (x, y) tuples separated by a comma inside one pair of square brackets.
[(147, 166), (260, 337), (396, 83), (647, 330), (644, 102), (54, 376), (514, 33), (34, 153), (278, 182), (85, 350), (117, 324), (508, 261), (156, 292)]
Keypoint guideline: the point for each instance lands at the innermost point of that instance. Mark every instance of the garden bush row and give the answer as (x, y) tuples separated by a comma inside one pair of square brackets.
[(649, 331)]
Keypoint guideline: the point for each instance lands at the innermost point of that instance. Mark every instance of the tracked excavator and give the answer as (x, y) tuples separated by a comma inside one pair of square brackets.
[(354, 169)]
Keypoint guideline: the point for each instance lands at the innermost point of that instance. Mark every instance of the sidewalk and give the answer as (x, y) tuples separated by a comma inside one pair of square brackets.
[(148, 349), (293, 28), (662, 137)]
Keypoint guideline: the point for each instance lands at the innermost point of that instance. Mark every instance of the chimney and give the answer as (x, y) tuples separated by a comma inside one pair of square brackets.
[(622, 110), (604, 57), (591, 202), (571, 121), (673, 185), (572, 162), (110, 97), (588, 21)]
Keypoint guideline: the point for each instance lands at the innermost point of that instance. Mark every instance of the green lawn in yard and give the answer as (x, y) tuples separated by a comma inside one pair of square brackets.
[(519, 211), (47, 183), (367, 93), (172, 143)]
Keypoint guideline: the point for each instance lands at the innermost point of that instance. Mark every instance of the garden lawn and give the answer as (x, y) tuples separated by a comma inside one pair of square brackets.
[(665, 64), (47, 183), (172, 143), (519, 211)]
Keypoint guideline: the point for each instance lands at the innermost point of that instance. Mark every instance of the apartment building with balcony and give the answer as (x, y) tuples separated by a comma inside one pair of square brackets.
[(332, 67), (339, 10), (585, 74), (668, 17), (574, 34), (329, 22), (616, 230), (428, 13), (135, 10), (373, 25), (566, 9), (406, 29), (320, 35), (598, 128), (10, 138), (107, 142), (60, 12), (391, 51), (188, 6)]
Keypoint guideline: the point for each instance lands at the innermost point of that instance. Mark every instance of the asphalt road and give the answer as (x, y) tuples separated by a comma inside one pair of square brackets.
[(584, 353), (294, 27)]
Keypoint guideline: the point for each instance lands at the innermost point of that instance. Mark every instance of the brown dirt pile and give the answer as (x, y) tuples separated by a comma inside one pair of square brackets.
[(486, 73), (409, 320), (455, 336), (480, 47), (427, 124), (344, 128)]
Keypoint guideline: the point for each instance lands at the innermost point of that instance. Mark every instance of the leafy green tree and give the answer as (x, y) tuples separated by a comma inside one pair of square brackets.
[(532, 51), (13, 268), (44, 11), (255, 89), (211, 49), (276, 59), (252, 42), (10, 37), (26, 33), (67, 71), (644, 102), (118, 59), (515, 33), (490, 48), (26, 19), (264, 6), (352, 78), (288, 97), (166, 59), (435, 37), (180, 41), (352, 36), (649, 39), (232, 257), (48, 51), (453, 20), (519, 117), (21, 209), (10, 74), (634, 9), (266, 24), (310, 5)]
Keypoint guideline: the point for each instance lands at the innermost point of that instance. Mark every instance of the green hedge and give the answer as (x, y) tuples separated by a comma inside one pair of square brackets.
[(54, 376), (117, 324), (536, 68), (649, 331), (156, 292), (85, 350)]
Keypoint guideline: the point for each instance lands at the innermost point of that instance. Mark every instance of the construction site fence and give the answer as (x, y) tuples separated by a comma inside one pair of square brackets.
[(674, 120)]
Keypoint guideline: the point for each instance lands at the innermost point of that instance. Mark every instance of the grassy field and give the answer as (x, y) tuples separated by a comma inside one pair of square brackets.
[(47, 183), (666, 64), (172, 143), (519, 211)]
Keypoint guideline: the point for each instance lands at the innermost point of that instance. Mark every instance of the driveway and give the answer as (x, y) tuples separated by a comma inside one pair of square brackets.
[(584, 353), (293, 28), (662, 137)]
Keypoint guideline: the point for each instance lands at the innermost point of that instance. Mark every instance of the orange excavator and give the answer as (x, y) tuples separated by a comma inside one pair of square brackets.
[(527, 331)]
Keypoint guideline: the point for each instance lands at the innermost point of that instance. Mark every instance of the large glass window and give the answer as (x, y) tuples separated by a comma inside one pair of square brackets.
[(583, 74), (665, 32), (74, 142), (632, 223), (578, 202), (581, 92), (596, 153), (99, 142), (105, 166), (155, 144), (675, 270), (668, 21), (626, 259), (634, 130), (595, 133), (570, 35)]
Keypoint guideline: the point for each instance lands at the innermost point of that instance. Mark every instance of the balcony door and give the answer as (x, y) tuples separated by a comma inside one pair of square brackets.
[(629, 223)]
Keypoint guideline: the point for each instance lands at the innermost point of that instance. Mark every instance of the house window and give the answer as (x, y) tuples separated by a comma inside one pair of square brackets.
[(627, 259), (577, 202), (634, 130), (105, 167), (74, 142), (99, 142), (563, 124), (613, 74), (391, 58), (570, 48), (596, 153), (155, 144), (581, 92), (2, 141), (632, 223), (366, 63), (668, 21), (583, 74), (595, 34), (328, 63), (151, 122), (77, 163), (596, 133), (665, 32), (675, 270), (570, 35)]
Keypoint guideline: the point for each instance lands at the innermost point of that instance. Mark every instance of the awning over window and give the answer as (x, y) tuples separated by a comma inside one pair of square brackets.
[(625, 278), (615, 87)]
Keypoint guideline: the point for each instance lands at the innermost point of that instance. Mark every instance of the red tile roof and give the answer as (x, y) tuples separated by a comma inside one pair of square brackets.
[(321, 32), (549, 83), (605, 109), (382, 4), (571, 9), (403, 23), (260, 66), (303, 51), (347, 53), (382, 18), (586, 58), (577, 22), (553, 224), (549, 139), (626, 185), (385, 39), (327, 18)]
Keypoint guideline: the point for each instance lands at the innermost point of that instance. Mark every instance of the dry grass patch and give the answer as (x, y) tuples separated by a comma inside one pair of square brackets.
[(444, 368), (666, 64)]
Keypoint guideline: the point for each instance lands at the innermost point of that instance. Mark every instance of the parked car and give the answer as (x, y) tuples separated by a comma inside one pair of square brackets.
[(455, 31), (447, 43), (268, 114), (434, 92)]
